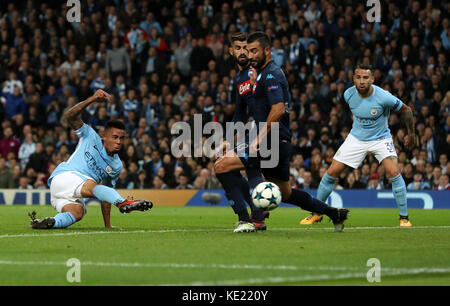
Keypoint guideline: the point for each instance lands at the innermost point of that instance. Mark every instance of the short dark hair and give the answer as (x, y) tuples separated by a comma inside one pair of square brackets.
[(238, 36), (261, 37), (117, 124), (364, 67)]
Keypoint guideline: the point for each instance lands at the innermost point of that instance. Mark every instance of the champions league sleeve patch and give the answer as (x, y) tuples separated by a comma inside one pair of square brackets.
[(272, 87)]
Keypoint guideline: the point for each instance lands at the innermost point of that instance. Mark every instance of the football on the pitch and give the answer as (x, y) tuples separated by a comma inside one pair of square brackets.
[(266, 196)]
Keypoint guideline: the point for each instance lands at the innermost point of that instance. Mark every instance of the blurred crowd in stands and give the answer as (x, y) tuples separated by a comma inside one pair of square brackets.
[(164, 61)]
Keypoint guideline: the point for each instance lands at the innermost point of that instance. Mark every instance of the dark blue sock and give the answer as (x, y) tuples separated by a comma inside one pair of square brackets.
[(305, 201), (232, 184), (257, 213), (254, 178)]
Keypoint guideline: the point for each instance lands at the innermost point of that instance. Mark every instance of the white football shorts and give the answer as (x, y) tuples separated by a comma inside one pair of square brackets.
[(65, 188), (353, 151)]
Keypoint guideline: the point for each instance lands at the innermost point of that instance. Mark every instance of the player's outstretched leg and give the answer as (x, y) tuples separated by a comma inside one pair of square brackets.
[(323, 192), (305, 201), (108, 194), (325, 188), (128, 206), (232, 184)]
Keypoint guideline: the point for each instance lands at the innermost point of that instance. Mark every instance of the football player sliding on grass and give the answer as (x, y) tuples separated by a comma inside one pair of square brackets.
[(90, 172)]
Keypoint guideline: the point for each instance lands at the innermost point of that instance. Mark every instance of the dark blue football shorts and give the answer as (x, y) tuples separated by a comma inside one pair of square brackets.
[(279, 171)]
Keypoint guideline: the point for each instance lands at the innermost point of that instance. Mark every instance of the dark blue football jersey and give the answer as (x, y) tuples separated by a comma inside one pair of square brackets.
[(244, 97), (272, 88)]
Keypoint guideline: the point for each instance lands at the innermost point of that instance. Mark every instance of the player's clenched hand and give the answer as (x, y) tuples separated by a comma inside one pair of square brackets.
[(411, 141), (101, 95), (252, 74)]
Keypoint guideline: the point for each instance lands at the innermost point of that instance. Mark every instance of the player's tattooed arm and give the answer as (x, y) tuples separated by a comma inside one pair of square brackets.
[(408, 117), (73, 115)]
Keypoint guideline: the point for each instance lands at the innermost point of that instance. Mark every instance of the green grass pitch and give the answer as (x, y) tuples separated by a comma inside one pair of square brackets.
[(197, 246)]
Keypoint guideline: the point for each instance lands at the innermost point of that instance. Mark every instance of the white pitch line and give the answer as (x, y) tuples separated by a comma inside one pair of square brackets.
[(106, 232), (221, 266), (179, 266), (215, 230), (385, 271), (306, 278)]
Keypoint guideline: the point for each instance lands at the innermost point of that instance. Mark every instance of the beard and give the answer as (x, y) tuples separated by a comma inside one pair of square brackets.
[(257, 63), (243, 61), (364, 91)]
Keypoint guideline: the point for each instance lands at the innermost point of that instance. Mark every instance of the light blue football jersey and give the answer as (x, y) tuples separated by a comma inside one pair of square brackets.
[(371, 114), (91, 160)]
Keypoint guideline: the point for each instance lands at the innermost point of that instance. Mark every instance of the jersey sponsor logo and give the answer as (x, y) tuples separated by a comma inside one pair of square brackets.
[(93, 165), (364, 121), (243, 88)]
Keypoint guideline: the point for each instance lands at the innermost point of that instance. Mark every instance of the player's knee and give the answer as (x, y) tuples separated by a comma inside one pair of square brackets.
[(391, 174), (87, 189), (77, 214), (77, 211), (333, 172), (335, 169), (220, 166)]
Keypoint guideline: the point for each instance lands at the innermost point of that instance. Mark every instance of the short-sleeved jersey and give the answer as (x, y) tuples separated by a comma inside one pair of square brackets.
[(272, 88), (244, 97), (371, 114), (91, 160)]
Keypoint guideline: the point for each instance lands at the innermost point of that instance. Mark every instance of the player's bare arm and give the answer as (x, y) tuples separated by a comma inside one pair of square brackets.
[(106, 212), (408, 118), (276, 112), (73, 115)]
